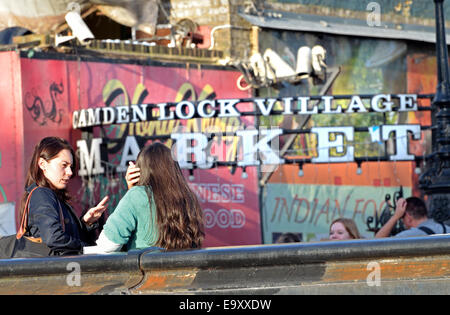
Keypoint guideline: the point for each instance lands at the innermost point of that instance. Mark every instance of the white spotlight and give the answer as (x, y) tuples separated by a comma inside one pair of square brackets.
[(304, 62), (79, 29)]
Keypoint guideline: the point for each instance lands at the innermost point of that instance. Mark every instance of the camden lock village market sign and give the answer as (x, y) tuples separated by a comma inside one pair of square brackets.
[(263, 142)]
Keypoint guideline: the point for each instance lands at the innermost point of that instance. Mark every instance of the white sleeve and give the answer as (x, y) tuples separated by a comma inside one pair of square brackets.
[(104, 246)]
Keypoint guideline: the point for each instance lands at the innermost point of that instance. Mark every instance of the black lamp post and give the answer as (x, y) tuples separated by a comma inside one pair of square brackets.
[(435, 182)]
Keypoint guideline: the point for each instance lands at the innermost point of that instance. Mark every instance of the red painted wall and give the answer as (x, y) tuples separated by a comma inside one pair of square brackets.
[(39, 96), (11, 129)]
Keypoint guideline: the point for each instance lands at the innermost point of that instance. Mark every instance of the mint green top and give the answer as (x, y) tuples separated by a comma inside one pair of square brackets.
[(130, 223)]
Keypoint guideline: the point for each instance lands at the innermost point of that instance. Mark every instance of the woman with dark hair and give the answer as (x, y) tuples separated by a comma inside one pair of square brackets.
[(49, 218), (160, 210), (288, 238)]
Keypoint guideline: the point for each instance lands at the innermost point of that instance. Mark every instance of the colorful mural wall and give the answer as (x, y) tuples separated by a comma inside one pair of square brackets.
[(51, 89), (39, 94), (306, 204)]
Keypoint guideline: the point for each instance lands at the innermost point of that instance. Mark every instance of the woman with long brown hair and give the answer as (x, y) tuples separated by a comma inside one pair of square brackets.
[(49, 217), (160, 210)]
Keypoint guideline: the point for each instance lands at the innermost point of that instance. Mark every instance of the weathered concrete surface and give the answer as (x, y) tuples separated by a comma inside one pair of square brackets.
[(388, 266)]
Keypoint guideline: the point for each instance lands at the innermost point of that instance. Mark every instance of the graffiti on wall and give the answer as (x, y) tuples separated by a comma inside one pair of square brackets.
[(43, 111), (67, 85)]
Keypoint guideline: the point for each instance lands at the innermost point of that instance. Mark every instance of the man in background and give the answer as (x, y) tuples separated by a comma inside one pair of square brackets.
[(414, 214)]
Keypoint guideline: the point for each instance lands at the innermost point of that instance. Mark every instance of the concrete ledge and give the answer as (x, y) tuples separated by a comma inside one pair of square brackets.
[(345, 267), (419, 265)]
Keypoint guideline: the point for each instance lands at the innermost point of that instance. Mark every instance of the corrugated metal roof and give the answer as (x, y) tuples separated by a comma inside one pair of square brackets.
[(339, 26)]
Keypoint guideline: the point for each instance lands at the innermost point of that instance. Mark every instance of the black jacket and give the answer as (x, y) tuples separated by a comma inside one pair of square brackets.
[(44, 221)]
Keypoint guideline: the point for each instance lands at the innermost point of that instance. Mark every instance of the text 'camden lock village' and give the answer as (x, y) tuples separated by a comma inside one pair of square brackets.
[(192, 146)]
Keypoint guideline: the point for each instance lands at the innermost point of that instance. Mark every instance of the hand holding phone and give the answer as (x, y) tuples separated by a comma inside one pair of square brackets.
[(133, 175)]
